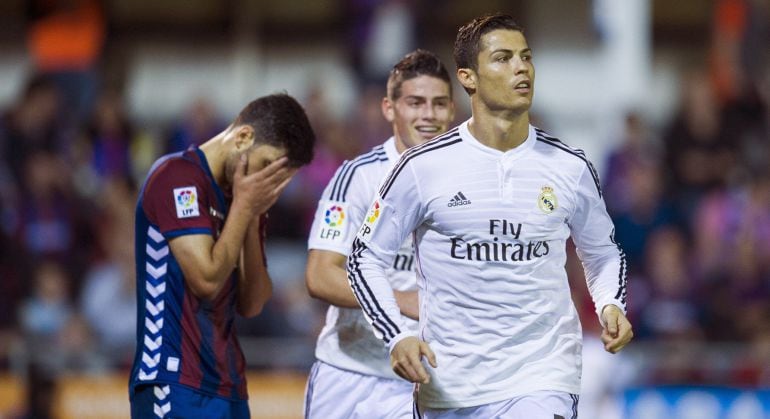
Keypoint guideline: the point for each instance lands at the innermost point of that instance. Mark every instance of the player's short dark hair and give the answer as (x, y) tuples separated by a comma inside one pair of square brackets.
[(279, 120), (417, 63), (467, 43)]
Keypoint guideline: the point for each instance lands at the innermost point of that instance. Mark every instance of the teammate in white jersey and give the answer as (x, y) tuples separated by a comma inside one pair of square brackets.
[(490, 205), (352, 377)]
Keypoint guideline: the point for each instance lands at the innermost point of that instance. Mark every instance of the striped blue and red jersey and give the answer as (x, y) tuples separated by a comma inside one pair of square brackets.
[(182, 339)]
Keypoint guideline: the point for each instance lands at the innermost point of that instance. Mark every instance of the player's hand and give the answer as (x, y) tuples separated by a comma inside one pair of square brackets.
[(258, 191), (406, 360), (409, 303), (616, 332)]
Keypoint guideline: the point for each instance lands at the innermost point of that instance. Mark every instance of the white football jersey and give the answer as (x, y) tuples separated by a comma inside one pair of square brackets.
[(490, 231), (346, 340)]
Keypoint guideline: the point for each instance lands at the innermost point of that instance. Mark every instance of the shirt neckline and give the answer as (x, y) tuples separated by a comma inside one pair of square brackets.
[(511, 154)]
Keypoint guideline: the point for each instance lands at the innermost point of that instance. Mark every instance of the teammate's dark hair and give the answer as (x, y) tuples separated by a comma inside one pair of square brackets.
[(467, 43), (417, 63), (279, 120)]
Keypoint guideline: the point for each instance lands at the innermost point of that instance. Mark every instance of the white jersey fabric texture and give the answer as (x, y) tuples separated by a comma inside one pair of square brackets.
[(346, 340), (490, 231)]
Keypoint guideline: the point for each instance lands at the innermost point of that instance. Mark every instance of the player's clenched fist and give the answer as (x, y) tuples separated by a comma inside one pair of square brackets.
[(406, 360), (617, 329)]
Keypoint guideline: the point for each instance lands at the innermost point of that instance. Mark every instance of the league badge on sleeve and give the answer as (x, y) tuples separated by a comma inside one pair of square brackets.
[(334, 217), (371, 219), (186, 201)]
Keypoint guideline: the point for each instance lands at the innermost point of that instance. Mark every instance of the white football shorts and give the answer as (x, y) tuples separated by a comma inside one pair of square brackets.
[(535, 405), (335, 393)]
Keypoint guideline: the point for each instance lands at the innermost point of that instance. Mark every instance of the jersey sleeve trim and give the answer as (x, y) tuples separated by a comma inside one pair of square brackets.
[(385, 327), (329, 248), (622, 274), (186, 232), (543, 137)]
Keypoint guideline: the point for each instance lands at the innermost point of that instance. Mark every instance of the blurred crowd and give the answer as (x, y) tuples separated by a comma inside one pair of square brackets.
[(690, 199)]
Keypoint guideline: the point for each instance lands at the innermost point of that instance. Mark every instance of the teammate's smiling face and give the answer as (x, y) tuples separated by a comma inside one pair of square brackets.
[(505, 77), (423, 110)]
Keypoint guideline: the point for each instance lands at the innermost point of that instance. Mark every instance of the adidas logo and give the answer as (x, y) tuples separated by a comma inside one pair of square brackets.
[(458, 199)]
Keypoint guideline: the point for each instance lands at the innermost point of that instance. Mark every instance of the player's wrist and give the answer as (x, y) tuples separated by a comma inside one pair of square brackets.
[(398, 338)]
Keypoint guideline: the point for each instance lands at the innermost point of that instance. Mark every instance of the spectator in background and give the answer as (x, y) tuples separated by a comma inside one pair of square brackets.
[(65, 39), (635, 191), (31, 124), (698, 149), (732, 243), (108, 298), (109, 133), (57, 338), (51, 220), (668, 309), (199, 123)]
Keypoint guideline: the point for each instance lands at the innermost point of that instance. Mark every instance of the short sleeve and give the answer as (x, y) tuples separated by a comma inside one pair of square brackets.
[(340, 210), (176, 199)]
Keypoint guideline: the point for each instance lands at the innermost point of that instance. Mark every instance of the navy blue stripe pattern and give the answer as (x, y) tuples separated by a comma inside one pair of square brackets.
[(416, 410), (622, 274), (450, 137), (575, 399), (310, 385), (380, 320), (345, 174), (543, 137)]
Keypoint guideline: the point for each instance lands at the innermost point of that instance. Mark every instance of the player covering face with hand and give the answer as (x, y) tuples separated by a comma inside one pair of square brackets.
[(352, 377), (200, 259), (490, 205)]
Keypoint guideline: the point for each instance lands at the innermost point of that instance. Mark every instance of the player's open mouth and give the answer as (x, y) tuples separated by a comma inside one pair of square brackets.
[(523, 86)]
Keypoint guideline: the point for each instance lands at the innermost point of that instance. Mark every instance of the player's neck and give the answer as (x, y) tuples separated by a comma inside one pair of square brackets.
[(501, 132), (216, 155)]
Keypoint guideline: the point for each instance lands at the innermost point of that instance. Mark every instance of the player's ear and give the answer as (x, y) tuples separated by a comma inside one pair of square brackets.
[(244, 137), (467, 78), (387, 109)]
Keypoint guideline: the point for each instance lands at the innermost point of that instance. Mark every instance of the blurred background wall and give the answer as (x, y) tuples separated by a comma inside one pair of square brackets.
[(670, 100)]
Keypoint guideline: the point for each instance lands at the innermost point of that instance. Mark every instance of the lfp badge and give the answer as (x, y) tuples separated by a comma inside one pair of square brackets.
[(334, 216), (186, 202), (371, 219)]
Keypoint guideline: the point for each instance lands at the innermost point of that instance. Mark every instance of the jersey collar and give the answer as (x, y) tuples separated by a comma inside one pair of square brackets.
[(390, 149), (511, 154)]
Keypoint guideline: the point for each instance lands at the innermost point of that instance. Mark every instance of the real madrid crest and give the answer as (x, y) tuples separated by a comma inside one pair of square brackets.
[(547, 200)]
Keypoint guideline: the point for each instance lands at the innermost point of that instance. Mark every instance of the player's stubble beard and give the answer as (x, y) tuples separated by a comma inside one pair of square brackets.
[(231, 162)]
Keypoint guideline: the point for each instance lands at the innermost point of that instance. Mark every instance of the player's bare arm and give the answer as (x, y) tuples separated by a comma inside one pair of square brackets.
[(616, 329), (406, 359), (254, 284), (206, 263), (327, 280)]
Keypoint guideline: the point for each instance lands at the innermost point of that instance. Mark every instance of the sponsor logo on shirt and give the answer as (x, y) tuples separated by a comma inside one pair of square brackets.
[(547, 201), (186, 201), (458, 200), (505, 245)]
